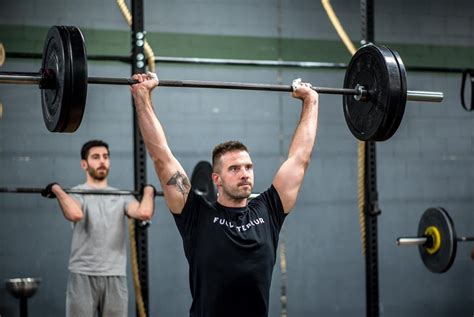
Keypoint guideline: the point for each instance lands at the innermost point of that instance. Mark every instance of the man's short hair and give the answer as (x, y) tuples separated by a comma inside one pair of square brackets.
[(90, 144), (223, 148)]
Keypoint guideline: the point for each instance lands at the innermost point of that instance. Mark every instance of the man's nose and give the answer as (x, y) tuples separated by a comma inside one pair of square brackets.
[(245, 173)]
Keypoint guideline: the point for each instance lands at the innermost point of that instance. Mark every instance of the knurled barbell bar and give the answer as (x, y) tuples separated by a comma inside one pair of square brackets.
[(374, 94), (436, 240)]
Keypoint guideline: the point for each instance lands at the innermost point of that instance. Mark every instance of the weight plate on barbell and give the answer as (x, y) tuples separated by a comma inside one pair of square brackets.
[(57, 69), (201, 180), (78, 92), (376, 69), (385, 131), (394, 122), (440, 261), (64, 86)]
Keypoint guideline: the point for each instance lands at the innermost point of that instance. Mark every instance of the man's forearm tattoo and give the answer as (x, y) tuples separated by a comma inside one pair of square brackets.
[(181, 182)]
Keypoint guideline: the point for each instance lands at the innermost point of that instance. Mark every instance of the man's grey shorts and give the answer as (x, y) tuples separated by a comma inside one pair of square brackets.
[(89, 294)]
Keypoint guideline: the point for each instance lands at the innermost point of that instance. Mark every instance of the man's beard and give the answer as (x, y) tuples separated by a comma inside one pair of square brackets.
[(99, 174), (237, 193)]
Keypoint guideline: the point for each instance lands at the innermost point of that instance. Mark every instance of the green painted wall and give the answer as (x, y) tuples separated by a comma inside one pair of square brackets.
[(106, 42)]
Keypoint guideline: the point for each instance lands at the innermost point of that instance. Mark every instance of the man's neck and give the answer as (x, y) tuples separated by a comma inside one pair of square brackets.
[(232, 203), (96, 183)]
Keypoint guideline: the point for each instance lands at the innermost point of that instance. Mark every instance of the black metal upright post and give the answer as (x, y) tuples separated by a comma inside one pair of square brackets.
[(23, 306), (138, 66), (367, 21), (371, 241), (371, 195)]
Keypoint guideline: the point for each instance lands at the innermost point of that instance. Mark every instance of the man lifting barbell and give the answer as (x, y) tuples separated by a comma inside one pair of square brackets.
[(230, 244), (97, 280)]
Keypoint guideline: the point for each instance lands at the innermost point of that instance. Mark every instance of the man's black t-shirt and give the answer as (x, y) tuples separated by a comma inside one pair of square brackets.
[(231, 253)]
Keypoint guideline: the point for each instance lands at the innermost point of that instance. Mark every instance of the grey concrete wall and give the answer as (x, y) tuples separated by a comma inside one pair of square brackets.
[(404, 21), (429, 161)]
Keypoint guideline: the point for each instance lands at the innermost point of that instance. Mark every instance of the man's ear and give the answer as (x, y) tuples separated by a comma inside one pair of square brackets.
[(216, 179), (84, 165)]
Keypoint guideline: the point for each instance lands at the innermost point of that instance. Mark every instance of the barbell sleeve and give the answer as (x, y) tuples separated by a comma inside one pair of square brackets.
[(20, 78), (412, 240), (429, 96), (422, 240)]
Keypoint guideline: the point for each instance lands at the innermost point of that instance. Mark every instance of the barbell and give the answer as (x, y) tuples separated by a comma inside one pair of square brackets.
[(201, 182), (374, 94), (436, 240), (78, 191)]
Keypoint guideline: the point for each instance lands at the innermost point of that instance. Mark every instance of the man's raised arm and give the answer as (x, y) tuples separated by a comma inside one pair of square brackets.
[(290, 176), (174, 182)]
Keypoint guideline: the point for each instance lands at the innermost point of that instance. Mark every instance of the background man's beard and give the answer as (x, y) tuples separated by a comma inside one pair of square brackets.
[(95, 173)]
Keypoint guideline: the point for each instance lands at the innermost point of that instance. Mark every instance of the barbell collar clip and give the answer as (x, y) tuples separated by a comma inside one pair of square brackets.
[(48, 79), (361, 93)]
